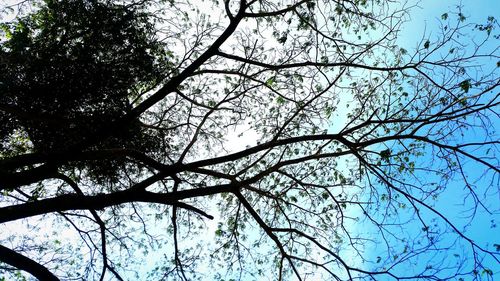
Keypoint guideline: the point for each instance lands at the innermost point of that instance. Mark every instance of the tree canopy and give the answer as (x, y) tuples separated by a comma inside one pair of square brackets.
[(246, 140)]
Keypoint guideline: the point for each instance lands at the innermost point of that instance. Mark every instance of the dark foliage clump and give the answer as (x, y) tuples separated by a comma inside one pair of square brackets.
[(70, 71)]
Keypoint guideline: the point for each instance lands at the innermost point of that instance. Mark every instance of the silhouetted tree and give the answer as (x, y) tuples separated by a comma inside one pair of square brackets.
[(119, 141)]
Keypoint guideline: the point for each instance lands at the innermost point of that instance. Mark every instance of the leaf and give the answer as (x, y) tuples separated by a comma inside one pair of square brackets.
[(282, 39), (280, 100), (324, 195), (487, 271), (427, 44), (444, 16), (385, 154), (271, 81), (463, 101), (465, 85)]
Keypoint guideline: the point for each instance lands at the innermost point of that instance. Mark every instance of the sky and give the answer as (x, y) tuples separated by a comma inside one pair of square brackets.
[(423, 20), (424, 23)]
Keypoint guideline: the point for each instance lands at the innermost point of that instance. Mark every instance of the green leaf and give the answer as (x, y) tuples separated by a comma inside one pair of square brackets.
[(444, 16), (487, 271), (6, 30), (324, 195), (280, 100), (271, 81), (463, 101), (465, 85), (385, 154)]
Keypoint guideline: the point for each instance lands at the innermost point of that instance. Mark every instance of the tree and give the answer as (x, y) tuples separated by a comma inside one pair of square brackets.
[(119, 147)]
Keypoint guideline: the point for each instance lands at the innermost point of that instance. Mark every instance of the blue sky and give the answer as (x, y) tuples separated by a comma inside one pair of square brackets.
[(453, 202), (425, 20)]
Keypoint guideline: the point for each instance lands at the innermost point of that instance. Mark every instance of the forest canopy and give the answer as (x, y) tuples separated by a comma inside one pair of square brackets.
[(246, 140)]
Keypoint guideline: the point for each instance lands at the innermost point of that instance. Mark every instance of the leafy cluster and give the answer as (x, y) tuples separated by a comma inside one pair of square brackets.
[(71, 69), (70, 72)]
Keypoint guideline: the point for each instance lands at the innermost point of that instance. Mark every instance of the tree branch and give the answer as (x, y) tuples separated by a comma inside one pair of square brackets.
[(19, 261)]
